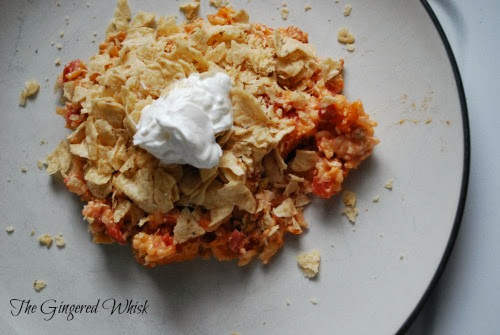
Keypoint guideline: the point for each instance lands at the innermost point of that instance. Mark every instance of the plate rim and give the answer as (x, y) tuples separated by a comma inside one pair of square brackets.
[(465, 174)]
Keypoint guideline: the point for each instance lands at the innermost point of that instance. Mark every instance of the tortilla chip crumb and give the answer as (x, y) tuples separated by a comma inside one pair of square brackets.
[(57, 61), (24, 169), (344, 36), (309, 263), (351, 213), (58, 3), (314, 301), (347, 10), (389, 184), (60, 242), (349, 198), (190, 9), (39, 285), (61, 34), (284, 13), (219, 3), (428, 121), (66, 19), (32, 232), (45, 239), (31, 88), (43, 141), (9, 229), (350, 47), (59, 46), (40, 164), (307, 7), (376, 198), (287, 302)]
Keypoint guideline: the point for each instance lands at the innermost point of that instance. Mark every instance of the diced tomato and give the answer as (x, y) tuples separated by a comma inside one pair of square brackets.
[(93, 77), (236, 241), (74, 70), (167, 239), (205, 220), (171, 217), (115, 233), (73, 115), (336, 84)]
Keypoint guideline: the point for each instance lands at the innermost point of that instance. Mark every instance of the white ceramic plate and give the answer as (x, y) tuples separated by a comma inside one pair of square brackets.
[(371, 279)]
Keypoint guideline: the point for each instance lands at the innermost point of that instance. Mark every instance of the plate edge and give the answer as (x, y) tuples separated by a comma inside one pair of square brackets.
[(465, 174)]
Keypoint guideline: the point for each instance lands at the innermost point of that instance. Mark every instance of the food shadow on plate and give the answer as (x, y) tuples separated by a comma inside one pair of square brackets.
[(72, 203), (183, 289), (180, 288)]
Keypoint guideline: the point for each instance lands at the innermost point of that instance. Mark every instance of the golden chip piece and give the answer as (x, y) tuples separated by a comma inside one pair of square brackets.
[(286, 209), (187, 227), (351, 213), (45, 239), (59, 239), (238, 194), (190, 9), (31, 88), (304, 160), (344, 36), (309, 263), (39, 285), (349, 198)]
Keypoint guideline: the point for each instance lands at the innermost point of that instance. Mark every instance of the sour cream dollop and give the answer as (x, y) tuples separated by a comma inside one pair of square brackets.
[(180, 127)]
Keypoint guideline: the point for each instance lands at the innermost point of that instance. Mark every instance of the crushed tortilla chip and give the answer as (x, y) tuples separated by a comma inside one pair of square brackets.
[(59, 240), (238, 194), (39, 285), (349, 198), (60, 159), (351, 213), (350, 210), (309, 263), (31, 88), (304, 160), (344, 36), (187, 227), (286, 209), (347, 10), (45, 239), (219, 3), (190, 9)]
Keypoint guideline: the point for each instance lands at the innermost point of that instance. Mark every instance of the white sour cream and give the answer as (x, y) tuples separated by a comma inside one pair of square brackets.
[(180, 127)]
